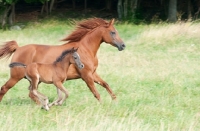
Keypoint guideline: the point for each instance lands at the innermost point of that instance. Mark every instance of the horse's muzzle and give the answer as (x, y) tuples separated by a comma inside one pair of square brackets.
[(81, 66), (121, 46)]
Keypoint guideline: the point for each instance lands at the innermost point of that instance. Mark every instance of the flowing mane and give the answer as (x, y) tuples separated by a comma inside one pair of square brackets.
[(84, 27), (64, 53)]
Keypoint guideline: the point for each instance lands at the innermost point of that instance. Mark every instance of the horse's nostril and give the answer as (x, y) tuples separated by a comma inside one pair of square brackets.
[(82, 66), (123, 46)]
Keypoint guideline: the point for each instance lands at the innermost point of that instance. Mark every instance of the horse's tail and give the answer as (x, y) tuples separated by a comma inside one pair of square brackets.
[(7, 49), (14, 64)]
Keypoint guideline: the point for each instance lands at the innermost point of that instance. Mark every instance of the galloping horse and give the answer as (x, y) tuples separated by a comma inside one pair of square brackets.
[(50, 73), (88, 36)]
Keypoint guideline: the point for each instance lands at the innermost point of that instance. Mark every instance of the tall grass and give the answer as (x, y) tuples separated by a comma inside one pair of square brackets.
[(156, 80)]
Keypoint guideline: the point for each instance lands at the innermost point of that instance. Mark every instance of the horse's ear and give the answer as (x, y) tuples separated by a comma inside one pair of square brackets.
[(72, 50), (111, 22)]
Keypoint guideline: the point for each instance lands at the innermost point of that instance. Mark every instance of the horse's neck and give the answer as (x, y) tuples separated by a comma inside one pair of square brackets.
[(63, 65), (93, 41)]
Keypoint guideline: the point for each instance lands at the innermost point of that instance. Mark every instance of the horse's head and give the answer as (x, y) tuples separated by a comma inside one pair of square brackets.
[(77, 59), (108, 32), (111, 36)]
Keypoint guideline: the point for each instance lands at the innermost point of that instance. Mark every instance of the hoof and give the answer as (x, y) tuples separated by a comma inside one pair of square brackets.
[(45, 107), (114, 97), (50, 105)]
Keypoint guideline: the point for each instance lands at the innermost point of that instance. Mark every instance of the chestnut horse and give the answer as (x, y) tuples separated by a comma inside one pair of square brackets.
[(88, 36), (54, 73)]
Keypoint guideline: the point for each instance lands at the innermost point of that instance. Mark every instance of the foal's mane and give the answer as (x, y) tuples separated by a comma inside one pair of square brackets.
[(64, 53), (83, 27)]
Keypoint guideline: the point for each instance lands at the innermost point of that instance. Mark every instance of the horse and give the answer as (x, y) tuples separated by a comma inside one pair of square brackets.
[(88, 36), (54, 73)]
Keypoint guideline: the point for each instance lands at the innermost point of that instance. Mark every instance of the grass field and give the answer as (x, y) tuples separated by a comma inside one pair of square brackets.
[(156, 80)]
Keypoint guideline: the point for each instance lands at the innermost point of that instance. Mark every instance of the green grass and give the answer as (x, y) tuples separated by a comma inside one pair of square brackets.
[(156, 80)]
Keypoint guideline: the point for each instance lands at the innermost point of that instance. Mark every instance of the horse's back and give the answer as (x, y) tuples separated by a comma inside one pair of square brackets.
[(24, 54), (35, 53)]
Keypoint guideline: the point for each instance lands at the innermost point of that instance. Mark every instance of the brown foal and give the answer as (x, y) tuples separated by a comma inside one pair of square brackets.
[(54, 73)]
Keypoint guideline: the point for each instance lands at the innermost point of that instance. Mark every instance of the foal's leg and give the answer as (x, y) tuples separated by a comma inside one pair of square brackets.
[(101, 82), (32, 96), (30, 85), (60, 86), (59, 98), (43, 99)]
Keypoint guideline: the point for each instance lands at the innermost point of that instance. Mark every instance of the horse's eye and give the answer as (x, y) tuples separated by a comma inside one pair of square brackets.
[(112, 33), (75, 57)]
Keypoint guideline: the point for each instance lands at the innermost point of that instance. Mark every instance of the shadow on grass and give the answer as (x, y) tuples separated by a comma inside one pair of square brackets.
[(18, 101)]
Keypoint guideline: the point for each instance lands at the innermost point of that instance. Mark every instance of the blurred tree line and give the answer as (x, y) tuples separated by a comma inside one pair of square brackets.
[(129, 10)]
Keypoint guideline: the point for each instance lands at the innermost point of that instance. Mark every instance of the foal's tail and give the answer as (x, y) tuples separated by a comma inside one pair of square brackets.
[(7, 49), (14, 64)]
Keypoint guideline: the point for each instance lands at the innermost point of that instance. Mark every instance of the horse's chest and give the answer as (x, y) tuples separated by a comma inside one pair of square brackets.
[(95, 61)]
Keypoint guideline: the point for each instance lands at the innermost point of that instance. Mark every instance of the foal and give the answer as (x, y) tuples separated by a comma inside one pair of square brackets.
[(51, 74)]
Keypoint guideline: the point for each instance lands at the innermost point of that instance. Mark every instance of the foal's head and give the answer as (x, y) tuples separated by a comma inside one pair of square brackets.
[(72, 56)]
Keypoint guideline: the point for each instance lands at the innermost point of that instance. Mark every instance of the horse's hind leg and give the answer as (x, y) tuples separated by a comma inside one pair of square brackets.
[(45, 100), (16, 75), (8, 85), (32, 96), (34, 84), (101, 82)]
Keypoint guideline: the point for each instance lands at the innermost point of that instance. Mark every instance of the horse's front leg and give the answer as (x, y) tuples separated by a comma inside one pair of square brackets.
[(60, 88), (89, 80), (101, 82), (59, 93)]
